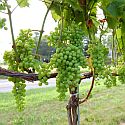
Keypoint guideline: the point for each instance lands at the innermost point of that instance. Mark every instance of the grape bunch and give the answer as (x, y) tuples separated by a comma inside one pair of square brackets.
[(110, 80), (19, 92), (3, 20), (24, 45), (26, 63), (44, 71), (3, 23), (69, 57), (121, 73), (99, 53)]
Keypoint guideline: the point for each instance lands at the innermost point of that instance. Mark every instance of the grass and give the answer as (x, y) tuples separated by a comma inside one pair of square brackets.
[(3, 77), (105, 107)]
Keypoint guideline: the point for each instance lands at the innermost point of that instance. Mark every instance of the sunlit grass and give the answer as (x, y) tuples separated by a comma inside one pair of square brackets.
[(105, 107)]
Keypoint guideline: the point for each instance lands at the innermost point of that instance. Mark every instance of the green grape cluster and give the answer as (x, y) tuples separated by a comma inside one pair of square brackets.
[(3, 23), (9, 57), (110, 80), (3, 5), (24, 45), (3, 20), (26, 62), (72, 34), (68, 58), (44, 71), (19, 93), (121, 73), (99, 54)]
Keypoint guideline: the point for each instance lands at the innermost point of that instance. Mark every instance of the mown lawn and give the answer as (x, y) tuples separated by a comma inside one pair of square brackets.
[(105, 107)]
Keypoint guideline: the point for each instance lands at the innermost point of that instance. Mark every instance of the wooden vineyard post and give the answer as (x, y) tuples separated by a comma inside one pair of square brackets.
[(72, 108)]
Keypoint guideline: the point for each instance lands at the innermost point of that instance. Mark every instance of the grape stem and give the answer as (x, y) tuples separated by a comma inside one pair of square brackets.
[(16, 6), (41, 32), (89, 93), (3, 12), (12, 32)]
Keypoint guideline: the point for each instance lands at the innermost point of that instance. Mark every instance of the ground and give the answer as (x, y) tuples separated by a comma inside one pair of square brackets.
[(105, 107)]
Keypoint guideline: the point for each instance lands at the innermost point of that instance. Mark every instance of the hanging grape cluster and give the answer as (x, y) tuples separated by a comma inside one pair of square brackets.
[(98, 53), (121, 72), (19, 92), (3, 23), (24, 45), (3, 20), (110, 80), (68, 58), (44, 72)]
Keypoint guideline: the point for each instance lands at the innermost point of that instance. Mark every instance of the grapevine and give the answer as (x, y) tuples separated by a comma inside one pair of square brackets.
[(76, 20)]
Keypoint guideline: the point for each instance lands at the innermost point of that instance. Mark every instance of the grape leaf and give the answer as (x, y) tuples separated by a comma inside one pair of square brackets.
[(74, 3), (56, 12), (2, 6), (23, 3), (113, 9), (55, 15), (118, 32)]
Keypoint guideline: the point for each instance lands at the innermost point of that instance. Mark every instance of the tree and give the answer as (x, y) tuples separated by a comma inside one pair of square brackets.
[(76, 20), (45, 51)]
